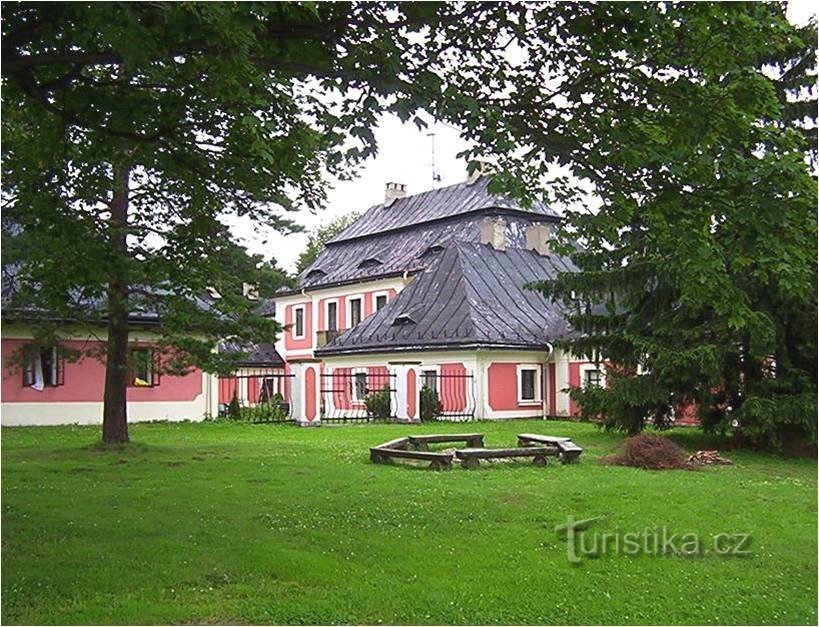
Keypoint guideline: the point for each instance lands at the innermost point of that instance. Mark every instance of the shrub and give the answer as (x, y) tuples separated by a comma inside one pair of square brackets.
[(431, 406), (234, 410), (647, 451), (378, 404)]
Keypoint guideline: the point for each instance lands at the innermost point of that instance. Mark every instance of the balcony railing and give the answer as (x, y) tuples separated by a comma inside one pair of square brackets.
[(323, 338)]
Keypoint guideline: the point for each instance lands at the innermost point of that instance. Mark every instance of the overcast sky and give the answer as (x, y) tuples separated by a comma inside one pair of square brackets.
[(405, 156)]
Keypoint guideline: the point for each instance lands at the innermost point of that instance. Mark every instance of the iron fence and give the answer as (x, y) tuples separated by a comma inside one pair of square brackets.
[(358, 395), (447, 396), (261, 395)]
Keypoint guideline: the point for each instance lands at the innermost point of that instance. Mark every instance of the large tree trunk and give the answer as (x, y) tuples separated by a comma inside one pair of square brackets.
[(114, 413)]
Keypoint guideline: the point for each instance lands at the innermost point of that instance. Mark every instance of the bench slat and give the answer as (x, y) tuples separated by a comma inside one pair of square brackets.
[(425, 455), (493, 453)]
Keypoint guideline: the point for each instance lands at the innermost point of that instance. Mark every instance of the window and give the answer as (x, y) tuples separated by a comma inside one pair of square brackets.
[(594, 378), (528, 384), (298, 322), (42, 367), (332, 316), (380, 301), (355, 311), (143, 371), (358, 384), (429, 379)]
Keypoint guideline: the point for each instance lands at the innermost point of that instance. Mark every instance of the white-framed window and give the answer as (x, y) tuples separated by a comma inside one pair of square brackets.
[(380, 300), (143, 372), (358, 385), (592, 375), (429, 378), (354, 311), (331, 315), (593, 378), (298, 322), (529, 386), (42, 368)]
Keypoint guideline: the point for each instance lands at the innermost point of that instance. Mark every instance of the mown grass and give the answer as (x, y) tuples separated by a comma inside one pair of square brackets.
[(226, 523)]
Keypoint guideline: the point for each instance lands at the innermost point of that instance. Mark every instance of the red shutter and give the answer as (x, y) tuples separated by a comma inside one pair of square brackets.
[(60, 371), (156, 375)]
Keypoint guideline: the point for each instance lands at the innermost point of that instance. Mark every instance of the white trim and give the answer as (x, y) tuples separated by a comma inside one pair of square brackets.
[(422, 370), (350, 299), (293, 334), (538, 382), (584, 368), (385, 294)]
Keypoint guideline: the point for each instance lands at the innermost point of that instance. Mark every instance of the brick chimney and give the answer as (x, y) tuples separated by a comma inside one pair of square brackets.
[(393, 192), (493, 232), (537, 237)]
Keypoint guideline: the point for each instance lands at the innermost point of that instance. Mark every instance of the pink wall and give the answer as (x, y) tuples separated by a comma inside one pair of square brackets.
[(452, 390), (552, 407), (503, 388), (368, 307), (310, 393), (85, 379), (291, 343), (412, 393)]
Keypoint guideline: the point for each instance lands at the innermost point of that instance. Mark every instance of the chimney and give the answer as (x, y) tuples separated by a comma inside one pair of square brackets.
[(250, 291), (483, 169), (537, 238), (393, 192), (493, 232)]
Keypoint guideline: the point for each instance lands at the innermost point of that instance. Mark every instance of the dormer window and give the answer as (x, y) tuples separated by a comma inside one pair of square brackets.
[(431, 251), (315, 275), (369, 262), (402, 320)]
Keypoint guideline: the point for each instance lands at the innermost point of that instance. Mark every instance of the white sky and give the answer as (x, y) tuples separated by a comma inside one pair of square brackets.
[(404, 156)]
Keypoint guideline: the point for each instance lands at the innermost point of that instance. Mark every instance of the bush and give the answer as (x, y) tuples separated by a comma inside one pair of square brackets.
[(378, 404), (431, 406), (654, 452), (234, 410)]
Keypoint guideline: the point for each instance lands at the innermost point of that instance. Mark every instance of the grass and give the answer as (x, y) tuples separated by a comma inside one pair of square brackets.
[(226, 523)]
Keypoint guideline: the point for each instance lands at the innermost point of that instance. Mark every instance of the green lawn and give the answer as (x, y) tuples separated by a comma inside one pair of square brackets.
[(222, 523)]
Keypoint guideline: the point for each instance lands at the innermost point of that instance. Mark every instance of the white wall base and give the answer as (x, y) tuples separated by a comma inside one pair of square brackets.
[(31, 414)]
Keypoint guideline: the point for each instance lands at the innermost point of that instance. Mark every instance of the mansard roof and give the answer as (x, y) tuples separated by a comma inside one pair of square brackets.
[(406, 250), (435, 204), (471, 296)]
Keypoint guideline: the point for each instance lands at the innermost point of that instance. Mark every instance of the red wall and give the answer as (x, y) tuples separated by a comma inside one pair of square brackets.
[(291, 343), (452, 391), (503, 388), (84, 381)]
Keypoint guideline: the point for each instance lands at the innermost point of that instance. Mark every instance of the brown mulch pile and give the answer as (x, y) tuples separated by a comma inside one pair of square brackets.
[(651, 452)]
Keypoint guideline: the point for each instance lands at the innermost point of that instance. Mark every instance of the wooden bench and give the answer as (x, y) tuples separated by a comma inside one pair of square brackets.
[(421, 442), (438, 461), (566, 450), (471, 457)]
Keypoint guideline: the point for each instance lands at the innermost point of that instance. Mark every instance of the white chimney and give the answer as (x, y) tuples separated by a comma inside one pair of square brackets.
[(537, 238), (250, 291), (493, 232), (483, 169), (393, 192)]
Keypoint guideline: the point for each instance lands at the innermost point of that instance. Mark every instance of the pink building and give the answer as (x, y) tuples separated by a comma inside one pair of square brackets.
[(429, 291)]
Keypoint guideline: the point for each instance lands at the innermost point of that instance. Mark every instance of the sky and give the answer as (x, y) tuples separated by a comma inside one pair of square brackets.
[(405, 156)]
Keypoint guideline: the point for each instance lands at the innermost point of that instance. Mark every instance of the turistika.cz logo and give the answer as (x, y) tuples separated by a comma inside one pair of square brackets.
[(580, 542)]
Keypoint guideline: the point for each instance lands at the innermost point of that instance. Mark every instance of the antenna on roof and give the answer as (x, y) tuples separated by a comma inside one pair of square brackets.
[(436, 178)]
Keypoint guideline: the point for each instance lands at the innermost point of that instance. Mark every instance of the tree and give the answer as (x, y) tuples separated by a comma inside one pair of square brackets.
[(697, 276), (137, 129), (132, 131), (320, 235)]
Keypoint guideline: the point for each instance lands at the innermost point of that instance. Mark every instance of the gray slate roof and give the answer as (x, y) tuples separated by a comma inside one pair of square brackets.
[(394, 252), (256, 355), (434, 204), (471, 296)]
